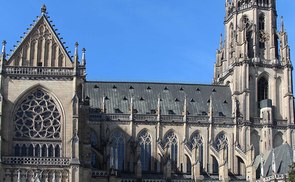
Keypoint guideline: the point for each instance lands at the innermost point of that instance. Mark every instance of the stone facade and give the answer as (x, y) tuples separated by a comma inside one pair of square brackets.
[(56, 126)]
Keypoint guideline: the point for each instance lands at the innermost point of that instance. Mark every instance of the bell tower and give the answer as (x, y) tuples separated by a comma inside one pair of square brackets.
[(254, 60)]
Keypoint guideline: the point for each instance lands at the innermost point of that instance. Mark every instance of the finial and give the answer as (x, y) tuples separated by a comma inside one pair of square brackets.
[(159, 108), (76, 54), (282, 24), (76, 48), (3, 47), (83, 62), (43, 9), (131, 109)]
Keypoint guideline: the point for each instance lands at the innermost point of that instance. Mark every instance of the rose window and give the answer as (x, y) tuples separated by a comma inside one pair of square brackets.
[(38, 117)]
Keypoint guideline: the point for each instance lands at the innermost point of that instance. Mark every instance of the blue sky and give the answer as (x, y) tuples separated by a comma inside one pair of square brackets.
[(136, 40)]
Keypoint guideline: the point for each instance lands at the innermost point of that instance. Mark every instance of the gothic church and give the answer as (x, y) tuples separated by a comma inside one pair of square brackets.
[(57, 126)]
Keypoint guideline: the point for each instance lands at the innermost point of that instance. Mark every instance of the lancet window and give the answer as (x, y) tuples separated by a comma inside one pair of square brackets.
[(117, 150), (145, 140), (171, 142), (196, 140), (262, 89)]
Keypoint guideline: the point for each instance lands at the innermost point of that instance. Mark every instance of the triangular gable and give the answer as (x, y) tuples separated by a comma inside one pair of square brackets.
[(41, 47)]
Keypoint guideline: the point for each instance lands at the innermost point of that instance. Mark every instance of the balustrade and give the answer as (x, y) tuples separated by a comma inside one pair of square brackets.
[(41, 71), (36, 161)]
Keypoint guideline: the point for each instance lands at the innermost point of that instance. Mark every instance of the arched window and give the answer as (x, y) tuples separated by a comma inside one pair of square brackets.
[(145, 140), (196, 140), (24, 150), (220, 140), (57, 151), (44, 151), (37, 151), (50, 151), (37, 119), (262, 89), (93, 138), (171, 142), (117, 150), (16, 150), (31, 150), (261, 26)]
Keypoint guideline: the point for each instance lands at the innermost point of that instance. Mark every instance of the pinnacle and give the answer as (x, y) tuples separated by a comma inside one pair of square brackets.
[(43, 9)]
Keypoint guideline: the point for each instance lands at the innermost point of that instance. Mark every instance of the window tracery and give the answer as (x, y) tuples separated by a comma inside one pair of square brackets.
[(220, 140), (37, 123), (262, 89), (171, 142), (117, 150), (38, 117), (145, 140), (196, 140)]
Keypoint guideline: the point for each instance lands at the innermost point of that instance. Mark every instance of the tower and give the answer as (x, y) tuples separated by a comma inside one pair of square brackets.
[(254, 60)]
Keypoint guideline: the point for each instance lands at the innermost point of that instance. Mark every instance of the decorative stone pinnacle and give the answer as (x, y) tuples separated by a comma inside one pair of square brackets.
[(83, 50), (43, 9), (3, 46), (76, 44)]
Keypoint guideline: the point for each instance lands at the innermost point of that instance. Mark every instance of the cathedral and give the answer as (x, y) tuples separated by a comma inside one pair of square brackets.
[(55, 126)]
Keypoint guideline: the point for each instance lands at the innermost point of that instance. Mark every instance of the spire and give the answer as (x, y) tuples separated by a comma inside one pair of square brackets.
[(76, 52), (43, 9), (282, 24), (3, 52), (83, 62)]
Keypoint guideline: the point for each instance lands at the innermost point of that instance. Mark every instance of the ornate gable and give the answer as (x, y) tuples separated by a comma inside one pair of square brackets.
[(41, 47)]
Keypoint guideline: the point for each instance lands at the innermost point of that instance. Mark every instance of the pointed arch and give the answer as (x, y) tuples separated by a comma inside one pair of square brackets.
[(117, 155), (37, 115), (261, 22), (263, 88), (93, 138), (144, 139), (278, 139), (220, 139), (171, 144), (196, 139)]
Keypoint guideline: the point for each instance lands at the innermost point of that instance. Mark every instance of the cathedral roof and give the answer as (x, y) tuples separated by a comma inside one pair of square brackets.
[(282, 160), (145, 98)]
